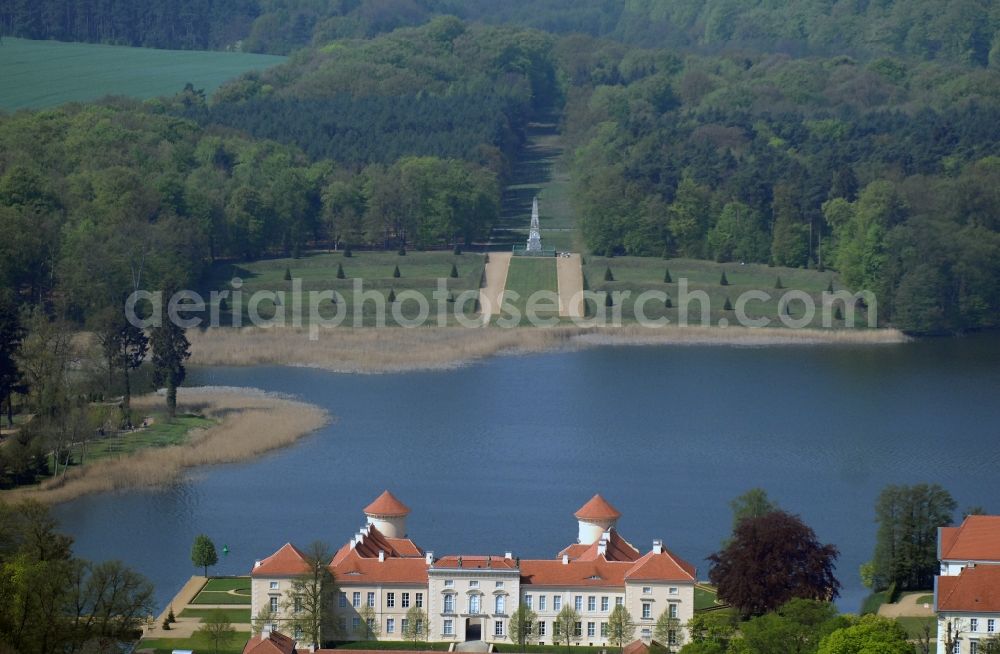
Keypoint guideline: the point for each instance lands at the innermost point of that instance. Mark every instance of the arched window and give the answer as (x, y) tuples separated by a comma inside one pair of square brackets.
[(500, 604), (449, 603), (474, 604)]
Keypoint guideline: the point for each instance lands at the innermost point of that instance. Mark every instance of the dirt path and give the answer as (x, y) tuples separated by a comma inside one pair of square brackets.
[(569, 271), (491, 294), (907, 607), (184, 627)]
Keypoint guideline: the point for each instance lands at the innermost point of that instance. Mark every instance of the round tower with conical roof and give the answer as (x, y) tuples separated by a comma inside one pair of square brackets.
[(595, 517), (388, 515)]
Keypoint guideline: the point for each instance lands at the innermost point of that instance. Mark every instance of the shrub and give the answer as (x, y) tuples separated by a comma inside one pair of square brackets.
[(667, 279), (392, 296), (347, 251), (608, 302), (727, 305), (608, 276), (454, 271), (837, 315), (778, 284), (340, 271), (668, 303), (829, 287), (166, 624), (457, 251), (723, 281), (402, 250), (395, 272), (223, 305), (486, 258), (170, 616), (288, 274), (451, 297)]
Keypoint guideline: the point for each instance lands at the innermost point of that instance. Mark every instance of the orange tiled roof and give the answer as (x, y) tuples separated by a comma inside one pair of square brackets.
[(356, 569), (475, 562), (597, 508), (977, 539), (375, 541), (599, 572), (661, 567), (387, 504), (405, 547), (975, 589), (617, 549), (287, 561), (273, 643), (574, 551)]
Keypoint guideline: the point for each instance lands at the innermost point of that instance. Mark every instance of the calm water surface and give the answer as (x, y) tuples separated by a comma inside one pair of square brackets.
[(499, 454)]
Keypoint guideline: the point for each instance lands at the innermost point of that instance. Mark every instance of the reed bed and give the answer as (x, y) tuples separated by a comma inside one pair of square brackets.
[(250, 423), (396, 349)]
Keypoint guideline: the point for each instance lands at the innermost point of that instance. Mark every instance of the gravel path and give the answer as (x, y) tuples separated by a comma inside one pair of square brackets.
[(491, 294), (569, 271)]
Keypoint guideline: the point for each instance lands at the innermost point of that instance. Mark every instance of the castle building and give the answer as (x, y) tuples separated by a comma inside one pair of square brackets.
[(472, 597), (967, 590)]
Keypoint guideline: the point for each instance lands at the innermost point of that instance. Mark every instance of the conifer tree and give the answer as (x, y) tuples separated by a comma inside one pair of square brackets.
[(392, 295), (667, 279), (608, 277), (454, 271), (288, 274), (727, 305), (395, 272), (777, 284), (723, 281), (340, 271)]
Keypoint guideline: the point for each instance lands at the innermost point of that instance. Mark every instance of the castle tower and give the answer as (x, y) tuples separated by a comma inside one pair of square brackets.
[(595, 517), (388, 515), (534, 236)]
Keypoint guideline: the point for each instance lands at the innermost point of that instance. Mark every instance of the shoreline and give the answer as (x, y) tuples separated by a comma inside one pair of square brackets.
[(251, 422), (389, 350)]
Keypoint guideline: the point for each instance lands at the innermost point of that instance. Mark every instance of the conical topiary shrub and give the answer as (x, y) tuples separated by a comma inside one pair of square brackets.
[(170, 616), (837, 315), (392, 295), (347, 252), (727, 305), (778, 284), (829, 288), (722, 280), (457, 251), (608, 276), (667, 279), (486, 258), (223, 305), (395, 272), (340, 271), (451, 297), (288, 274), (454, 271), (608, 302), (668, 303)]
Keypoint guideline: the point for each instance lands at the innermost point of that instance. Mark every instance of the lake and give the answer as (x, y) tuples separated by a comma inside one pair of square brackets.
[(498, 455)]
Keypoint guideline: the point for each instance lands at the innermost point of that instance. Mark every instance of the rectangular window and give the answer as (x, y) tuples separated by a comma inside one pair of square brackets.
[(474, 584), (646, 633), (591, 603), (974, 647), (591, 630), (991, 625), (274, 604), (390, 600), (449, 603), (405, 603), (672, 637), (604, 630), (647, 590), (499, 584), (297, 605), (556, 602), (500, 604), (448, 583), (672, 610), (418, 627), (420, 600), (619, 601), (355, 624), (957, 648), (556, 629), (647, 610), (604, 603), (449, 628), (541, 628), (673, 590), (371, 625), (498, 628), (974, 624), (578, 602), (474, 606), (390, 625), (274, 585), (371, 599), (403, 625), (343, 600), (578, 629), (527, 601), (356, 600), (541, 602)]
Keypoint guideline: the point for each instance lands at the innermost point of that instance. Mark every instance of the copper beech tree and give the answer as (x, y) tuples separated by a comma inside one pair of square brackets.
[(771, 559)]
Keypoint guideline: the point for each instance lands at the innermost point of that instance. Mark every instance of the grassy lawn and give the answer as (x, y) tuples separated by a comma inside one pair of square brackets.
[(419, 272), (873, 601), (528, 275), (196, 643), (41, 74), (160, 433), (579, 649), (219, 597), (704, 598), (228, 583), (216, 591), (915, 626), (639, 274), (926, 599), (236, 616), (394, 644)]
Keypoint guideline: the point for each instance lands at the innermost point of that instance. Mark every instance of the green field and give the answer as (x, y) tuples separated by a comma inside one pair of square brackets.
[(915, 626), (528, 275), (235, 616), (227, 583), (196, 643), (38, 74), (639, 274), (704, 598), (217, 591), (419, 272)]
